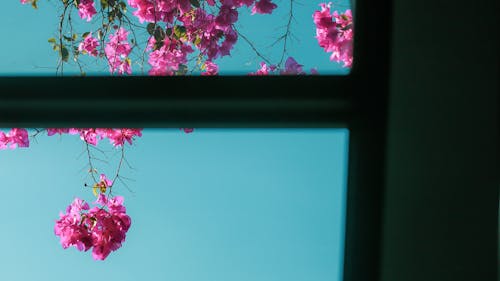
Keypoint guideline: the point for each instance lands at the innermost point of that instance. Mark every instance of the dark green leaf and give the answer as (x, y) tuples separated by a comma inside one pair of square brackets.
[(151, 28), (183, 69), (159, 34), (64, 54), (123, 6), (85, 34), (52, 40), (195, 3), (197, 41), (179, 31)]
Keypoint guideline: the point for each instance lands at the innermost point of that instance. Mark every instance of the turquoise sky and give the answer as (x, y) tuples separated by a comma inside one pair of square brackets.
[(25, 50), (214, 205)]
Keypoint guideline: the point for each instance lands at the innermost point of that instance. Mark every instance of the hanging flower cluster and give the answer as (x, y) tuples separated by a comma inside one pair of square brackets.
[(16, 137), (335, 33), (117, 137), (181, 32), (102, 228)]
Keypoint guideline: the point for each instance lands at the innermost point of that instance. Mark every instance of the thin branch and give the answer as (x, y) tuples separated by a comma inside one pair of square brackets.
[(259, 54)]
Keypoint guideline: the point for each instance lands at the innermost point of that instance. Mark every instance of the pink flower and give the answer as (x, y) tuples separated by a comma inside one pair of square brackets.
[(17, 137), (292, 67), (167, 59), (117, 137), (89, 45), (187, 130), (117, 50), (263, 7), (335, 33), (86, 9), (103, 230), (210, 69), (89, 136), (264, 69), (105, 181), (227, 16), (60, 131)]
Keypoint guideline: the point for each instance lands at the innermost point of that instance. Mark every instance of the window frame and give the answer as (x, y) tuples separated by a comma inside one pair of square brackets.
[(357, 101)]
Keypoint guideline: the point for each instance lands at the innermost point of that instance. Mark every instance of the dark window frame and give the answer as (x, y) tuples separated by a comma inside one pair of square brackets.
[(357, 101)]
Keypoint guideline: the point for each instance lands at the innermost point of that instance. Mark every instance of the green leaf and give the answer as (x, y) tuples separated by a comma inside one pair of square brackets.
[(195, 3), (183, 69), (67, 38), (151, 28), (123, 6), (159, 34), (64, 54), (104, 4), (52, 40), (85, 34), (197, 41), (94, 191), (179, 31), (34, 4)]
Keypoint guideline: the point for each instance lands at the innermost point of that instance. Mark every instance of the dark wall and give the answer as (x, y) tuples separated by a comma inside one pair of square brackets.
[(441, 200)]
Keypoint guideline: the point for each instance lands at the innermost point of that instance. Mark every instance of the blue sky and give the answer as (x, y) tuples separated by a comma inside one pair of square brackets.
[(25, 50), (217, 204)]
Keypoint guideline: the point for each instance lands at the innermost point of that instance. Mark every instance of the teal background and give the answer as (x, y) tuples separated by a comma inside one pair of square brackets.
[(226, 204)]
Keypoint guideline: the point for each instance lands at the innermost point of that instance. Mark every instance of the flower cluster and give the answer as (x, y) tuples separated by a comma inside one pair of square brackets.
[(168, 59), (187, 130), (335, 33), (210, 69), (188, 26), (102, 228), (292, 67), (16, 137), (117, 137), (86, 9), (89, 45), (117, 50)]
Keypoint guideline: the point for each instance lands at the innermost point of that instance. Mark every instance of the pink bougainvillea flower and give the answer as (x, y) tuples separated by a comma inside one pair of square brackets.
[(117, 137), (102, 186), (264, 69), (263, 7), (17, 137), (89, 46), (227, 16), (117, 50), (3, 140), (102, 199), (86, 9), (292, 67), (187, 130), (101, 228), (89, 136), (60, 131), (334, 33), (210, 69), (104, 180)]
